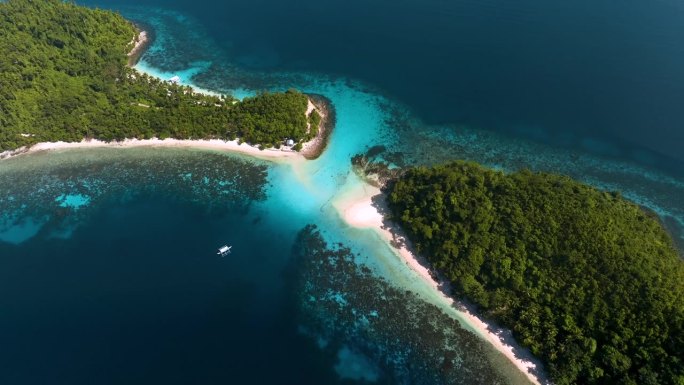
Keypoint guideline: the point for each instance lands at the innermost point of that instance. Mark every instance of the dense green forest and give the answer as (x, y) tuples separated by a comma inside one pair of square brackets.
[(270, 118), (64, 76), (590, 282)]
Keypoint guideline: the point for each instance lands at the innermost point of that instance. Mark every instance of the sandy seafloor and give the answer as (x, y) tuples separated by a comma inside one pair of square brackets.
[(108, 254)]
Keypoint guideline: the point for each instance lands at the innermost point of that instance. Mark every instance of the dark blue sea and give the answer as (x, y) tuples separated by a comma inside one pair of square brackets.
[(108, 271)]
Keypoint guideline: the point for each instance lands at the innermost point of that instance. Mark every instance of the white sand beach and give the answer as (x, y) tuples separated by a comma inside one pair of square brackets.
[(209, 144)]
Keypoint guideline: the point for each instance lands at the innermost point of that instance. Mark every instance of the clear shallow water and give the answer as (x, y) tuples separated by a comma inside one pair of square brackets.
[(112, 251)]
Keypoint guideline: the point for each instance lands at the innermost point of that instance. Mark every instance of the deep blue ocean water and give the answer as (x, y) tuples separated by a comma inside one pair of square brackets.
[(107, 264), (137, 296)]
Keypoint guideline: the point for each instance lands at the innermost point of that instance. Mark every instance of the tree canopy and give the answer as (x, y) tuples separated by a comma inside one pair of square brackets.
[(64, 76), (270, 118), (587, 280)]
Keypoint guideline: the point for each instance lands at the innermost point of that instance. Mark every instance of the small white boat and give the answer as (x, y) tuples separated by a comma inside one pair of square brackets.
[(224, 250)]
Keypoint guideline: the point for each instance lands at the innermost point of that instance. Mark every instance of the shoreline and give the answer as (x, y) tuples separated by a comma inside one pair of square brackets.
[(359, 209), (311, 150), (325, 108), (140, 44), (206, 144)]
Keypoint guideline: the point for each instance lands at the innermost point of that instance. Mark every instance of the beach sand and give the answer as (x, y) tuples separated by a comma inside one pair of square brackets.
[(209, 144)]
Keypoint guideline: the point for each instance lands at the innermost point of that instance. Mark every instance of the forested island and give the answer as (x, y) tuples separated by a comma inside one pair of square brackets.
[(64, 77), (588, 281)]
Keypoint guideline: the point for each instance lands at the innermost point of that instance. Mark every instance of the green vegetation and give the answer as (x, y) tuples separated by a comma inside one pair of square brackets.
[(63, 76), (587, 280), (315, 122), (269, 118)]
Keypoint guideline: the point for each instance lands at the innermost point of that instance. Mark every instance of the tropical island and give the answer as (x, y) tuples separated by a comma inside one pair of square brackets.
[(65, 76), (588, 281)]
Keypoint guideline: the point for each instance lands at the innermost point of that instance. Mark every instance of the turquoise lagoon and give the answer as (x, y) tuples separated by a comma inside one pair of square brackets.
[(108, 271)]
